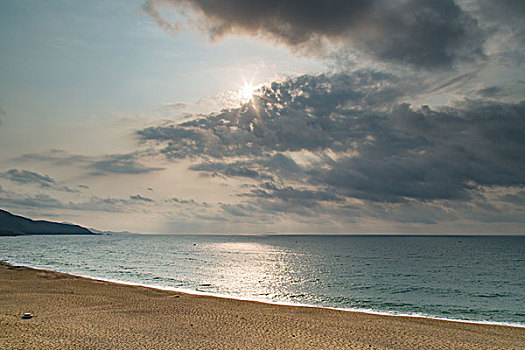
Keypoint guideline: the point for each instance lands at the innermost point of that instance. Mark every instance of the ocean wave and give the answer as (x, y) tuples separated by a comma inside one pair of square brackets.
[(274, 302)]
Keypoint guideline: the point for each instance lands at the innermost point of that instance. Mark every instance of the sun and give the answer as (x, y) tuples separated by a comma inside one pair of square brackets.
[(246, 92)]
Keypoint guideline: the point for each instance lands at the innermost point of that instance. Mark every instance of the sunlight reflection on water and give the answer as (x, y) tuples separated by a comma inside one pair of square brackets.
[(440, 276)]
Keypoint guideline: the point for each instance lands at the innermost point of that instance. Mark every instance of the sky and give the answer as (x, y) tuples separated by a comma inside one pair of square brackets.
[(254, 117)]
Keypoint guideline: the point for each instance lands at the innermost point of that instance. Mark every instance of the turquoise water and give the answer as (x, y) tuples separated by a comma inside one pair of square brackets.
[(478, 279)]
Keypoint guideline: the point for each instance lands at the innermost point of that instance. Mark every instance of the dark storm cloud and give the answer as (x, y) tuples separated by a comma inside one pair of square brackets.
[(504, 14), (517, 198), (359, 142), (109, 164), (424, 33), (430, 155), (454, 82), (489, 92), (504, 23)]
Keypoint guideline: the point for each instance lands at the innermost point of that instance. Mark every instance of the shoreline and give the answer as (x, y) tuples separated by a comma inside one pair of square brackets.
[(265, 301), (77, 312)]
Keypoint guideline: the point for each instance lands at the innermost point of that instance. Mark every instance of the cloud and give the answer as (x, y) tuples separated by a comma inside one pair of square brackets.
[(175, 106), (241, 210), (517, 198), (431, 155), (2, 114), (503, 16), (153, 9), (262, 168), (30, 177), (129, 164), (108, 204), (423, 33), (236, 169), (93, 203), (453, 82), (58, 157), (186, 202), (291, 194), (489, 91), (138, 197), (25, 177), (307, 112), (348, 145), (32, 201), (120, 164)]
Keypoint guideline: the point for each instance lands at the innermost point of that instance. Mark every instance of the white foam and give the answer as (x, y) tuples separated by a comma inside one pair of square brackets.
[(274, 302)]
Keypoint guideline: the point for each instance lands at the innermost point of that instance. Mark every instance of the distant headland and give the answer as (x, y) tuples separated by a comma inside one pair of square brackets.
[(14, 225)]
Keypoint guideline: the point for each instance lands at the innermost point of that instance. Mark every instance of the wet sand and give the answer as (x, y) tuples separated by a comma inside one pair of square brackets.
[(78, 313)]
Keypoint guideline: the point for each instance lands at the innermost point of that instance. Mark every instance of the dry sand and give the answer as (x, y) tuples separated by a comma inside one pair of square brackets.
[(77, 313)]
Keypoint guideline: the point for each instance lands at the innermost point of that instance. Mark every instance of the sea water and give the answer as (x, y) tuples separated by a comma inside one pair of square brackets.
[(480, 279)]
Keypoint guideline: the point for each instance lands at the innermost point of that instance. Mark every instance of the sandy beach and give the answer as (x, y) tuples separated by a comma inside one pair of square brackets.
[(78, 313)]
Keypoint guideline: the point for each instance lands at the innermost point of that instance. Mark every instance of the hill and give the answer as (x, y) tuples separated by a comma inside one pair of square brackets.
[(14, 225)]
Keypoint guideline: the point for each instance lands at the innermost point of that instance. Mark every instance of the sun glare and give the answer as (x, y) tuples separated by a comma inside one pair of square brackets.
[(246, 92)]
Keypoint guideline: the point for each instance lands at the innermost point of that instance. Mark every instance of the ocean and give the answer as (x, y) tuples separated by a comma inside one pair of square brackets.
[(475, 279)]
